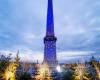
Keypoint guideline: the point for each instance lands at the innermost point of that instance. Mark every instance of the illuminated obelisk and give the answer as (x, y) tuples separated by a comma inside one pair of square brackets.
[(50, 39)]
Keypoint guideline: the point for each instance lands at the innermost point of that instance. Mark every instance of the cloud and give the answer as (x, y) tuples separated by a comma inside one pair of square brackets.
[(72, 55), (28, 37), (27, 54), (24, 54), (73, 24)]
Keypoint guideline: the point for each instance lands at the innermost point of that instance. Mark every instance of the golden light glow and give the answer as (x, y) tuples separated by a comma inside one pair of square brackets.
[(44, 72), (6, 75), (10, 72), (97, 70), (99, 75), (80, 71)]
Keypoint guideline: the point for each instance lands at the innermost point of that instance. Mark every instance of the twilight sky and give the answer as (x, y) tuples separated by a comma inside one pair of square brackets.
[(77, 27)]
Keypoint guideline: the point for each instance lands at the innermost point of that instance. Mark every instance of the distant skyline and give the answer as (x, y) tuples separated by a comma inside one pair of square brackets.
[(23, 27)]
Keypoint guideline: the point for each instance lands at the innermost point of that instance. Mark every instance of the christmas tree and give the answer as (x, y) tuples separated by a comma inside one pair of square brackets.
[(81, 73), (45, 72)]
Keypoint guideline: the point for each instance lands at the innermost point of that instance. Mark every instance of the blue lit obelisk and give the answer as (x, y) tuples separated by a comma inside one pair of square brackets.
[(50, 39)]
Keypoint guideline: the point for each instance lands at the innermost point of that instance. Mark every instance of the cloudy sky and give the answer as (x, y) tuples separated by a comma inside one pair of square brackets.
[(77, 27)]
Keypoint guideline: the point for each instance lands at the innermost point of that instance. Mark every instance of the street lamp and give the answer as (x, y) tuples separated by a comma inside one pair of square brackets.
[(58, 68)]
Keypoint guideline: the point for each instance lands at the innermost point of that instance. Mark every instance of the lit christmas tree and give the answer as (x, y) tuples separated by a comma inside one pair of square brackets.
[(45, 72), (95, 67), (81, 73), (10, 72)]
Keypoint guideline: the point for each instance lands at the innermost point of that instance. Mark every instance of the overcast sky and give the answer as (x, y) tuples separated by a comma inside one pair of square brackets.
[(77, 27)]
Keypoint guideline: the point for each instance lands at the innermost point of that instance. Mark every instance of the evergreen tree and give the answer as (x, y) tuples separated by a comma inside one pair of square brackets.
[(24, 76), (81, 73), (4, 62), (17, 60), (95, 68), (87, 75), (45, 72), (17, 65), (68, 75)]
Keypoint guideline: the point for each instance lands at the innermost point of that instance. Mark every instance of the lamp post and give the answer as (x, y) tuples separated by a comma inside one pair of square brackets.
[(59, 70)]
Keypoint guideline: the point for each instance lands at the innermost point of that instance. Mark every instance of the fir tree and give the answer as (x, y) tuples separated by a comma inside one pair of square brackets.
[(17, 60), (81, 73), (4, 62), (45, 72)]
